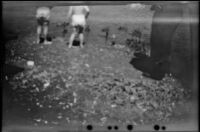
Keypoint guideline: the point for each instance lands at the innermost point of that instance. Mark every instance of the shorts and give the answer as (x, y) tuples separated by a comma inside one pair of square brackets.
[(78, 20), (79, 28), (42, 21)]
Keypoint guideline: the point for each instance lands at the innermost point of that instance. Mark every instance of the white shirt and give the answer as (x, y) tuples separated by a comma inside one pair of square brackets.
[(78, 10), (43, 12), (77, 15)]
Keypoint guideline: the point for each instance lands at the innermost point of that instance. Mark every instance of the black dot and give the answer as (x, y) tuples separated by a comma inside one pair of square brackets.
[(89, 127), (116, 127), (109, 127), (130, 127), (163, 128), (156, 127)]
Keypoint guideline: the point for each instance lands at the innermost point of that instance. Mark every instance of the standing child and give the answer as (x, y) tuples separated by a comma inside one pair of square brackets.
[(43, 15), (78, 16)]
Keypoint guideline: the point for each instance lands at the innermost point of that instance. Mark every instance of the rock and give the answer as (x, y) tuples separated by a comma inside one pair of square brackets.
[(103, 119), (37, 89), (155, 104), (45, 122), (46, 84), (30, 64), (75, 100), (38, 120), (173, 104), (84, 122), (95, 102), (113, 105), (119, 46), (59, 117), (64, 108), (49, 106), (85, 114), (67, 118), (53, 122), (61, 103), (71, 104), (41, 106), (113, 36), (74, 94), (87, 65), (67, 106), (70, 77), (6, 77), (132, 98)]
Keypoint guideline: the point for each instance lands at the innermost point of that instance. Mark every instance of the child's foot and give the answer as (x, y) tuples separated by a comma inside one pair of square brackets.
[(81, 46), (38, 41), (70, 46), (47, 42)]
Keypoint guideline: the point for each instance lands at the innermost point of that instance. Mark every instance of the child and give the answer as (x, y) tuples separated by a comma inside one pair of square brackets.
[(78, 16), (43, 15)]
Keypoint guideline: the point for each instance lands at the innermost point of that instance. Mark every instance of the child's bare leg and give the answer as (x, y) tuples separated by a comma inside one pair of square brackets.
[(81, 37), (39, 30), (45, 31), (72, 37)]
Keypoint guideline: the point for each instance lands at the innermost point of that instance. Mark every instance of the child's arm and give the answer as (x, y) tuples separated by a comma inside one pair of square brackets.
[(87, 11)]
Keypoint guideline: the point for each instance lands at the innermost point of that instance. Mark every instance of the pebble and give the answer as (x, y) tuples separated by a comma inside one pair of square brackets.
[(46, 122), (132, 98), (103, 119), (6, 77), (12, 52), (63, 108), (85, 114), (113, 36), (75, 100), (95, 102), (70, 77), (56, 98), (67, 85), (67, 118), (30, 63), (87, 65), (38, 120), (67, 106), (59, 117), (113, 105), (71, 104), (41, 106), (84, 122), (74, 94), (46, 84), (37, 89), (173, 104), (155, 104), (53, 122), (50, 106), (61, 103), (119, 46)]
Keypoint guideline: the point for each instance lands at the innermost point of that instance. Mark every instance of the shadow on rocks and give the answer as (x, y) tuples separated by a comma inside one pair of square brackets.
[(149, 67)]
